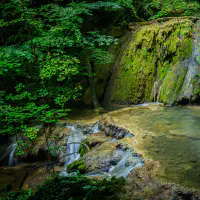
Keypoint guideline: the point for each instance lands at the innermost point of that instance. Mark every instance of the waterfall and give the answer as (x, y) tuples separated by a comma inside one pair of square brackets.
[(10, 153), (158, 96), (73, 144), (96, 128), (11, 160), (157, 90)]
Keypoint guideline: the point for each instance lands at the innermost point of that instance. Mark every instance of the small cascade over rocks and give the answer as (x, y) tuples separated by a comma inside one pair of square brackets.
[(123, 168), (10, 154), (107, 158), (125, 165), (11, 160), (73, 144), (96, 128)]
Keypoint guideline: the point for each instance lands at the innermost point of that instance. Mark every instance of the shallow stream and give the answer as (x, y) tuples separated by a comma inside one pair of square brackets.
[(170, 135)]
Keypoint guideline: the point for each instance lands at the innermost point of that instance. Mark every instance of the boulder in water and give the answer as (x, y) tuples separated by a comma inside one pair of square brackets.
[(77, 165), (96, 139), (102, 156)]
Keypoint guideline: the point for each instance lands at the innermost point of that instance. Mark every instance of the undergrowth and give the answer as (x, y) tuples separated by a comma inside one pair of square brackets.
[(71, 188)]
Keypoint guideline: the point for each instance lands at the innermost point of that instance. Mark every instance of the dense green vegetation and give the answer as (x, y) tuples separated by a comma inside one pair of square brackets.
[(48, 51), (78, 187), (48, 48)]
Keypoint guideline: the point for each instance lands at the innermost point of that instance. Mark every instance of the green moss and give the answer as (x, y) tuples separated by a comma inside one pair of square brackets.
[(197, 91), (172, 84), (163, 69), (154, 51), (84, 147), (77, 165), (81, 150), (188, 49)]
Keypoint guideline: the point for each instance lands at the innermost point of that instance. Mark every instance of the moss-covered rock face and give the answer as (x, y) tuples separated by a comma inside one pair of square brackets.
[(103, 72), (158, 64)]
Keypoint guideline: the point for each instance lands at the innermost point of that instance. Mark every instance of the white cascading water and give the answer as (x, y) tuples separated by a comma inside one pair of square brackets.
[(96, 128), (11, 160), (122, 169), (10, 153), (157, 87), (73, 144)]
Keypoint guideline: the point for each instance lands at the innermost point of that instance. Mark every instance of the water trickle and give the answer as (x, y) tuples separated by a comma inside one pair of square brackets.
[(96, 128), (10, 154), (73, 144), (11, 160), (157, 90)]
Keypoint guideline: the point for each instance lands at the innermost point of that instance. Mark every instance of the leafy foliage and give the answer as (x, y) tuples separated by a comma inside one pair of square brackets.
[(18, 195), (44, 47), (169, 8), (40, 67), (77, 187)]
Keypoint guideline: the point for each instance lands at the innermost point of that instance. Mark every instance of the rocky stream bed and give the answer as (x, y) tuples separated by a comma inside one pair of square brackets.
[(156, 148)]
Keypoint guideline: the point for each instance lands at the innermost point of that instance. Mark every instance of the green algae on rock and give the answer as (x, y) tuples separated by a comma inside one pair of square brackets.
[(77, 165), (158, 64)]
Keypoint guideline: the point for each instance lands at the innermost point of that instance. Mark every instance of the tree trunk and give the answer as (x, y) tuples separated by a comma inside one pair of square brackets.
[(92, 84), (47, 143)]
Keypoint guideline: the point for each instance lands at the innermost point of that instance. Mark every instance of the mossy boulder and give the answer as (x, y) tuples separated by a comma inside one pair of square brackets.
[(97, 139), (102, 156), (92, 141), (84, 148), (77, 165), (57, 137), (157, 52)]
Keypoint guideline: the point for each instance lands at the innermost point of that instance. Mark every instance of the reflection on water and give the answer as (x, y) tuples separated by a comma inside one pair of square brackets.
[(82, 113), (170, 135)]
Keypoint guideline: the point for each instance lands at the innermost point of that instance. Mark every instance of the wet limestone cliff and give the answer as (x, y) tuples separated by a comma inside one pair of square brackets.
[(155, 61)]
